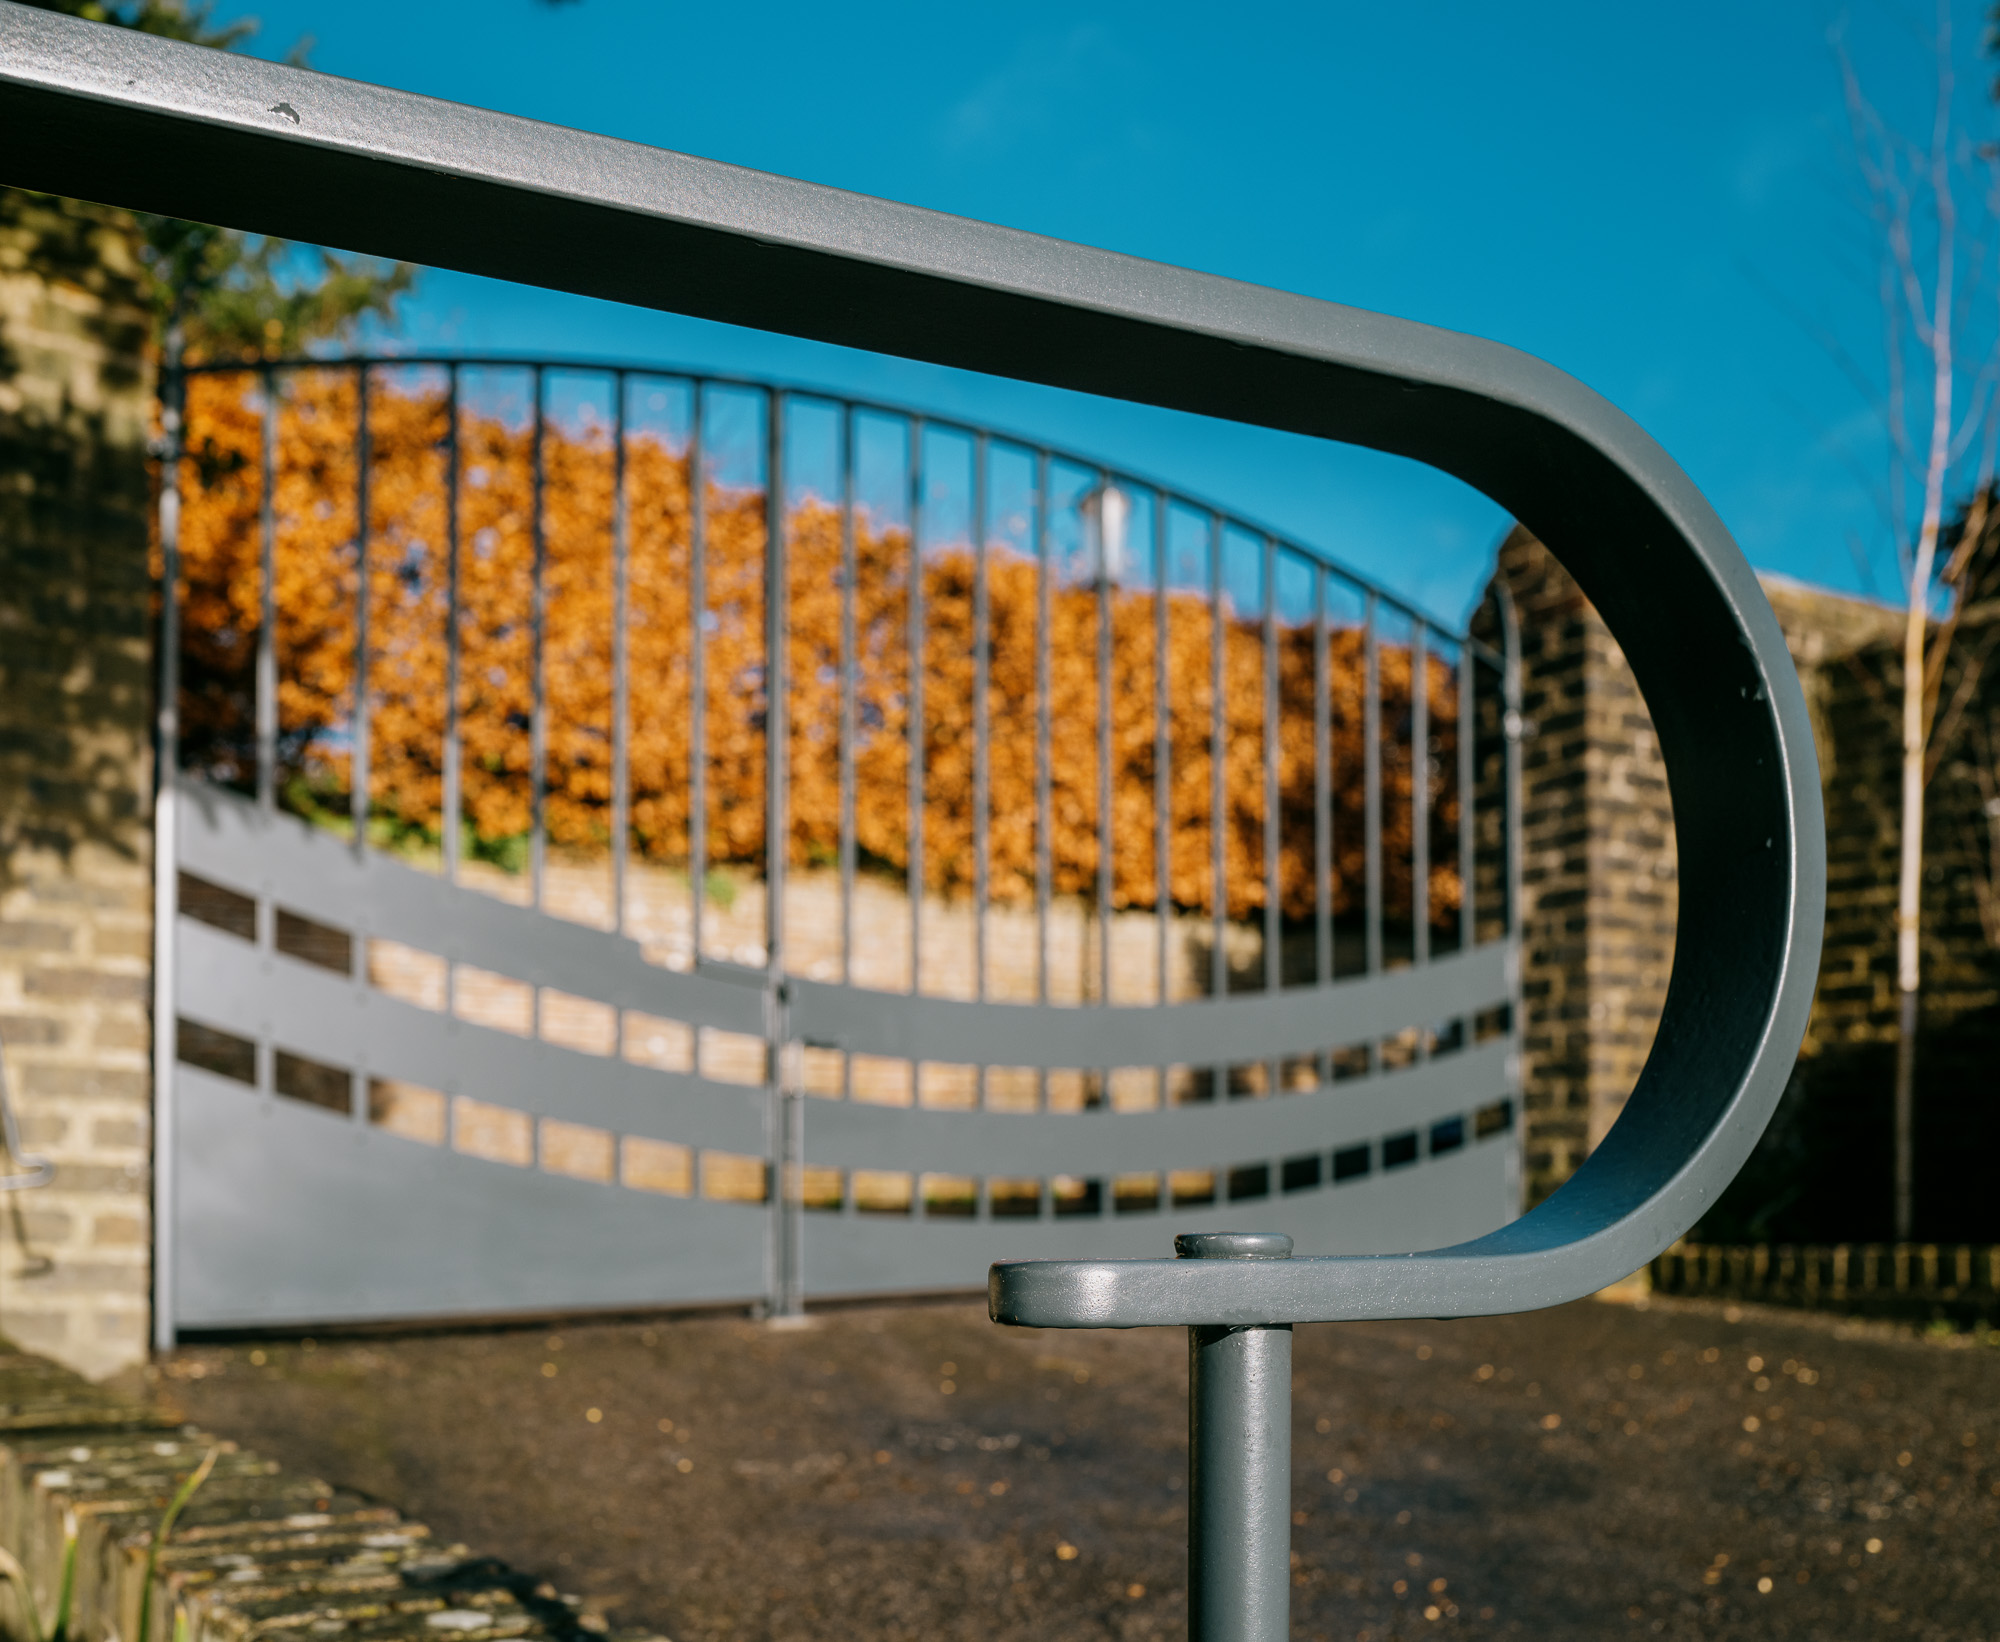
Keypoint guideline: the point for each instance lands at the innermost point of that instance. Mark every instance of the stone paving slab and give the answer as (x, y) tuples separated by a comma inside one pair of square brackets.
[(258, 1551)]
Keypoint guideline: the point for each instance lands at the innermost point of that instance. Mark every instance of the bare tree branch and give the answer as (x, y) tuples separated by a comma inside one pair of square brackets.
[(1932, 278)]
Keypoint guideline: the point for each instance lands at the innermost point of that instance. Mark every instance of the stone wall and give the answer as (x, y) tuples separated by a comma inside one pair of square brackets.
[(255, 1551), (1599, 887), (75, 713), (1858, 742), (1822, 1173), (1598, 869)]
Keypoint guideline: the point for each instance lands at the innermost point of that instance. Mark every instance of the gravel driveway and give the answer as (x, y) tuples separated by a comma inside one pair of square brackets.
[(914, 1472)]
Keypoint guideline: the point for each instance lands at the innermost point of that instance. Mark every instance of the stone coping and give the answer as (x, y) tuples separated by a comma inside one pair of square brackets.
[(256, 1553)]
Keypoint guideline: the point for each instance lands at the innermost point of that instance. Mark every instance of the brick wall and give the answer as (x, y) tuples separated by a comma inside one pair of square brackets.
[(1598, 868), (1599, 901), (1822, 1173), (1849, 654), (1857, 737), (75, 711)]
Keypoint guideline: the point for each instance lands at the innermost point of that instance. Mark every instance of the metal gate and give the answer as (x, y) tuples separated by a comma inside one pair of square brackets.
[(647, 840)]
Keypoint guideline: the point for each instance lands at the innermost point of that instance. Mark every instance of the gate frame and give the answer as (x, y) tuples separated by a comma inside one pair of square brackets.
[(793, 1010)]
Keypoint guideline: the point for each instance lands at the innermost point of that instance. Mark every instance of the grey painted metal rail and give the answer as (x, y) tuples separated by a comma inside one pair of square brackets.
[(118, 117)]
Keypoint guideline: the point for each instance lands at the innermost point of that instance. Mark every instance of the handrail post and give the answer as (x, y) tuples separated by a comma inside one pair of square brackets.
[(1239, 1463)]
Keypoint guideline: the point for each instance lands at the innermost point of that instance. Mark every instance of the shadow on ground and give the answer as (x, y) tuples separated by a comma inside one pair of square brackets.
[(915, 1472)]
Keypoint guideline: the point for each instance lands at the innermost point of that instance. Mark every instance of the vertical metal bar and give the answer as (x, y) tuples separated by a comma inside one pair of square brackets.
[(1371, 783), (1163, 790), (1420, 797), (697, 678), (1467, 837), (1105, 884), (916, 700), (538, 712), (850, 664), (453, 752), (1218, 740), (1420, 814), (1322, 786), (451, 803), (357, 798), (791, 1174), (777, 687), (267, 605), (1044, 741), (621, 666), (788, 1300), (1239, 1464), (982, 729), (1044, 772), (166, 852), (1273, 924)]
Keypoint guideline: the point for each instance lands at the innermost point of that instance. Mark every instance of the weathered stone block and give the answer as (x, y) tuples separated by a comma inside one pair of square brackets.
[(86, 984), (118, 1134), (86, 1082), (126, 1032), (127, 1230), (36, 937), (30, 1031), (257, 1552)]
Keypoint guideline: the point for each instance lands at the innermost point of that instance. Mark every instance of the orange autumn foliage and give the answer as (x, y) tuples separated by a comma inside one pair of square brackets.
[(315, 503)]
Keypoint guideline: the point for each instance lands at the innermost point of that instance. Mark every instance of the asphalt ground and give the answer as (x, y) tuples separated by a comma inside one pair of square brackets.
[(914, 1472)]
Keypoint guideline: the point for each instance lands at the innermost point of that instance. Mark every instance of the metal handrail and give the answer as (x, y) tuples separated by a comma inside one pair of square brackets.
[(149, 123)]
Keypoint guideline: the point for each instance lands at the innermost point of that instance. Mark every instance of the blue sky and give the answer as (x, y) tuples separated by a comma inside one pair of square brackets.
[(1617, 189)]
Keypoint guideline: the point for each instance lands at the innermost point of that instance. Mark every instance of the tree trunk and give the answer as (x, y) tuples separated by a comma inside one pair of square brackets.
[(1909, 889), (1906, 1114), (1916, 716)]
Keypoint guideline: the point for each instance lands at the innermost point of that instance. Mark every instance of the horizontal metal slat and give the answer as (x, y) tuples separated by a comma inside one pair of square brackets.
[(293, 1217), (1207, 1032), (1103, 1142), (1458, 1196), (289, 1215), (225, 838), (227, 983)]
